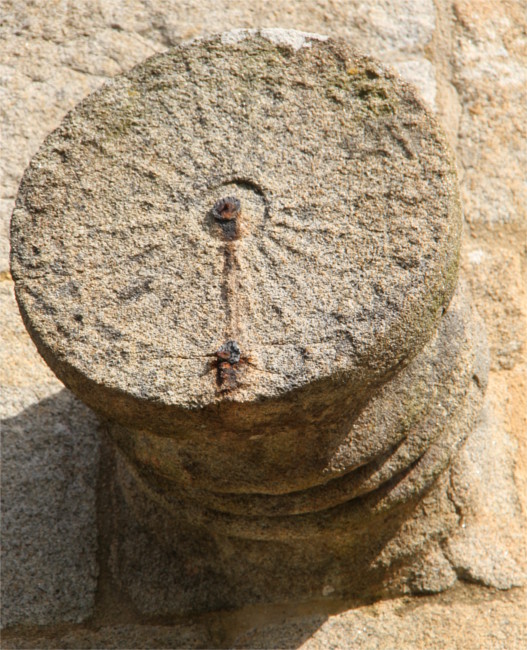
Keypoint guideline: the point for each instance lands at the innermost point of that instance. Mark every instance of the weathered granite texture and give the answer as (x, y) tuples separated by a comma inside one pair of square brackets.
[(49, 61), (49, 447), (243, 255), (48, 478), (344, 260), (52, 56)]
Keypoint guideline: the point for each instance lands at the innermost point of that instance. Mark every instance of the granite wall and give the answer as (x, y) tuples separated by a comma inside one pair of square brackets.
[(468, 58)]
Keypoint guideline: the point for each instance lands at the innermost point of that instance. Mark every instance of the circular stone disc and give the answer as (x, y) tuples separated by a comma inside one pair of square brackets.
[(339, 264)]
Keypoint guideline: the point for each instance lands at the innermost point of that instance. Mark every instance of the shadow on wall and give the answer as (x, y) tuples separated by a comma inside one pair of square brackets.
[(49, 533), (50, 467)]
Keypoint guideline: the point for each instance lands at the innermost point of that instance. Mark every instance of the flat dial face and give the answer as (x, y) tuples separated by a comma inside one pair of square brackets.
[(294, 204)]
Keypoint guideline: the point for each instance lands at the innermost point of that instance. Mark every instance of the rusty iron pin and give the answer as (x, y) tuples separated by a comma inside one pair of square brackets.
[(228, 355), (227, 209), (227, 376), (229, 352)]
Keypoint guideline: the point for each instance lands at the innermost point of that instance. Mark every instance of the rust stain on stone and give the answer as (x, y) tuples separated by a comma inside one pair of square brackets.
[(226, 212), (228, 359)]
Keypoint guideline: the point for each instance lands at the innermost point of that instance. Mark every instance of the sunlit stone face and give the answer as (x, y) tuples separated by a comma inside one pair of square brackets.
[(243, 255)]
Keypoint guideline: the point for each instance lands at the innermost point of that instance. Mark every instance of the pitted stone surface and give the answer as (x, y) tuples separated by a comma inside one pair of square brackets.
[(54, 58), (345, 256), (49, 472)]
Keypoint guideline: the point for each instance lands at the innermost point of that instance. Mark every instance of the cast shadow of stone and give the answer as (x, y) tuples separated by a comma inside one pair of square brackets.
[(49, 530), (49, 537), (50, 458)]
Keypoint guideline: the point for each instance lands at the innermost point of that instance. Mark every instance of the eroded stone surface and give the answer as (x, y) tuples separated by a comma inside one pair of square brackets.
[(346, 254), (341, 502), (50, 62), (49, 450), (53, 59), (49, 535), (278, 313)]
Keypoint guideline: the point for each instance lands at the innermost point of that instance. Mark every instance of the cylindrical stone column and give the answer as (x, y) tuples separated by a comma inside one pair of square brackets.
[(243, 254)]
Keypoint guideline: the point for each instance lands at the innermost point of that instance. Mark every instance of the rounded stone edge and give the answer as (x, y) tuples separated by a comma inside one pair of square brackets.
[(175, 417)]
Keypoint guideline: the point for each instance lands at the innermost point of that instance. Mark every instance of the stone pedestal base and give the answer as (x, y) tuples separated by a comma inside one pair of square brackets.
[(244, 255), (461, 529), (420, 513)]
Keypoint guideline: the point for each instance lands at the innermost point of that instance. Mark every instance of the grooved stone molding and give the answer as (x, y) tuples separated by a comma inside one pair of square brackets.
[(243, 255)]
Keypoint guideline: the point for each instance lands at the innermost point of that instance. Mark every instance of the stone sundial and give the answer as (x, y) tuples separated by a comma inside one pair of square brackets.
[(347, 243), (243, 254)]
